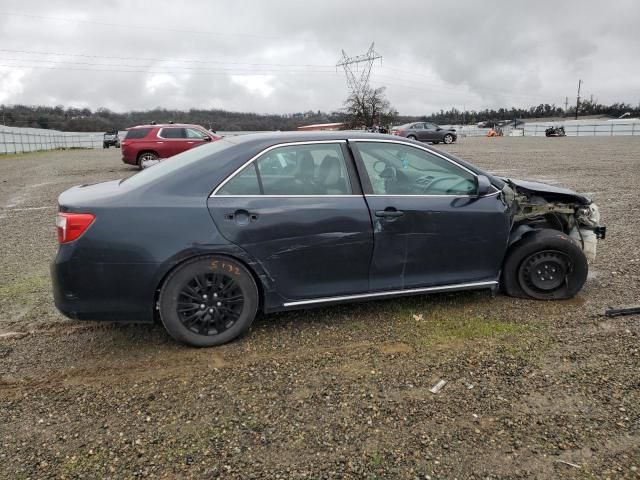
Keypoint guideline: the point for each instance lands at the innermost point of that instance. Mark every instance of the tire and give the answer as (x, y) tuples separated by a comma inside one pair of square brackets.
[(544, 265), (411, 137), (146, 156), (208, 301), (104, 145), (448, 139)]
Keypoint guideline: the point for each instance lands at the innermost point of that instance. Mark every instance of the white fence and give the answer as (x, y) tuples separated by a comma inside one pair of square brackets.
[(573, 128), (20, 140)]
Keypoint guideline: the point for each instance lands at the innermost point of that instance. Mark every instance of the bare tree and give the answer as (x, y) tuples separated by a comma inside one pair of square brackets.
[(368, 107)]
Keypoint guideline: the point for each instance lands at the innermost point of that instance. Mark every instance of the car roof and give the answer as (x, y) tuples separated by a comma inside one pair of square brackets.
[(295, 136), (163, 125)]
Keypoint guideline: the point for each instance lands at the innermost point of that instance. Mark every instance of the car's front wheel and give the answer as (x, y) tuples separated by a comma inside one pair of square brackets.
[(448, 138), (208, 301), (545, 265)]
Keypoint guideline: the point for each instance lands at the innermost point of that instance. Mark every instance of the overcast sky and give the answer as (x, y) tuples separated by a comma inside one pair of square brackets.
[(280, 56)]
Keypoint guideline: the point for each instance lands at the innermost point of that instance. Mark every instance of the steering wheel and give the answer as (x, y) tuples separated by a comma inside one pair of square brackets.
[(434, 181)]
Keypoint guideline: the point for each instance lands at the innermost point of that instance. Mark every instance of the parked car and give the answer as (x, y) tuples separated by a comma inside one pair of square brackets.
[(426, 132), (555, 132), (281, 221), (111, 139), (148, 143)]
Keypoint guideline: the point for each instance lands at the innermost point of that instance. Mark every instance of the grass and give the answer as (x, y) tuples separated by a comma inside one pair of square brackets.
[(20, 290), (9, 156)]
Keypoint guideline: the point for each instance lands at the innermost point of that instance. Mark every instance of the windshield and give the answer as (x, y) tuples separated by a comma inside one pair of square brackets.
[(177, 162)]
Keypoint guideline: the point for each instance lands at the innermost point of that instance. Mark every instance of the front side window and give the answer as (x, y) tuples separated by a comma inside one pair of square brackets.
[(315, 169), (172, 132), (396, 169), (193, 133)]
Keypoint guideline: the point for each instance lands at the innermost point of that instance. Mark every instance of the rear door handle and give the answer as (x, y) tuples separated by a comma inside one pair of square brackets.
[(389, 213)]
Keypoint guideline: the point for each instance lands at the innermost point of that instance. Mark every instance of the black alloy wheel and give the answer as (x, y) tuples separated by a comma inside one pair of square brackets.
[(208, 301)]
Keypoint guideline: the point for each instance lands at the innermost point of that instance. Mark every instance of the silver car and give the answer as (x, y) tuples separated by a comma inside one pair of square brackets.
[(426, 132)]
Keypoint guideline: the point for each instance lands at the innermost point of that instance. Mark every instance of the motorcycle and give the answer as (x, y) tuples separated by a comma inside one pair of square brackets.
[(555, 132)]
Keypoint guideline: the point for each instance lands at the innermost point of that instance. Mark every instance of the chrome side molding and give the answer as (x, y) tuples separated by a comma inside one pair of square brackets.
[(390, 293)]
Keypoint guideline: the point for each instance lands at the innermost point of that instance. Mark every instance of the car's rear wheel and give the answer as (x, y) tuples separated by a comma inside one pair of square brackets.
[(146, 157), (545, 265), (411, 137), (208, 301), (448, 138)]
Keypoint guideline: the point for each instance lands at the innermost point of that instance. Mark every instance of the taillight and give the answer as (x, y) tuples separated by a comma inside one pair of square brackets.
[(72, 225), (396, 132)]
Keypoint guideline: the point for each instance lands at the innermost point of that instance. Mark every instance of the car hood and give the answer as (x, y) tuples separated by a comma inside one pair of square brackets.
[(549, 192)]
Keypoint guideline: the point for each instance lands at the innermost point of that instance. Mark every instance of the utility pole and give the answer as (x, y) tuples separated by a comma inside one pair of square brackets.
[(566, 105), (578, 98)]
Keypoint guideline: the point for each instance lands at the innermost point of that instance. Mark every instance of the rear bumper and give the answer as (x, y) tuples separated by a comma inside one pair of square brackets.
[(95, 291)]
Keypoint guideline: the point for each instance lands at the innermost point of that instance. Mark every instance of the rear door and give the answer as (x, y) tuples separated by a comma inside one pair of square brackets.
[(297, 210), (429, 227)]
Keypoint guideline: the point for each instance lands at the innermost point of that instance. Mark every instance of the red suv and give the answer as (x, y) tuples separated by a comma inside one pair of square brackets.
[(145, 143)]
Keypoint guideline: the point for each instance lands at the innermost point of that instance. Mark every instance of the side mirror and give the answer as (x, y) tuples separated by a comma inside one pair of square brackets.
[(483, 185), (206, 139)]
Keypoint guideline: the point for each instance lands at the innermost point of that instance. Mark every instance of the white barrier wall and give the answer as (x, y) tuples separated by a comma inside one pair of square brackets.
[(573, 128), (19, 140)]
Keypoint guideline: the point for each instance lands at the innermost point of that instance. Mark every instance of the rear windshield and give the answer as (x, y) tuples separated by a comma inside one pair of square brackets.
[(177, 162), (137, 133)]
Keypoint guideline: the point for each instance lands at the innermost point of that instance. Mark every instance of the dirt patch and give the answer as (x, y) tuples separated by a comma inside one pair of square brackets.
[(534, 389)]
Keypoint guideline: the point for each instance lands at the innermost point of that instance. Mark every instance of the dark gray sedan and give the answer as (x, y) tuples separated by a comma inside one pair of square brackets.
[(426, 132), (269, 222)]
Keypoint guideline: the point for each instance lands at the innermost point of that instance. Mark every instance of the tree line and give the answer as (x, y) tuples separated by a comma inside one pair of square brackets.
[(355, 113)]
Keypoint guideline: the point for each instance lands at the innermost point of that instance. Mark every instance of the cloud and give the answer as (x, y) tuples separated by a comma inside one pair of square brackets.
[(280, 56)]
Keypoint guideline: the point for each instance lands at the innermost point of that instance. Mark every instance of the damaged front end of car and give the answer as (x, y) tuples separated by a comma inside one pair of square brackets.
[(536, 206)]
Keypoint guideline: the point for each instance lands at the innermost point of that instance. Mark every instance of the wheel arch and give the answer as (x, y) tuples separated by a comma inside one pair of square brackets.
[(254, 274)]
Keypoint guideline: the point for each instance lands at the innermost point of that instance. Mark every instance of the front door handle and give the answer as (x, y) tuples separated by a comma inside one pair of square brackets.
[(389, 212)]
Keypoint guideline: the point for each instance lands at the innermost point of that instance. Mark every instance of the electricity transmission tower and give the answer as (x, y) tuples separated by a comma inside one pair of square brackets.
[(358, 69)]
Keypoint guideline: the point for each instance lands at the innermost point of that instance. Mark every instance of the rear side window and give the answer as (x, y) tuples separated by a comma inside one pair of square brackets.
[(172, 132), (137, 133), (316, 169)]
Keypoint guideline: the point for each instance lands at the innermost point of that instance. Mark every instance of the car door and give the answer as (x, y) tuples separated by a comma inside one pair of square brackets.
[(195, 138), (297, 210), (417, 130), (172, 140), (431, 133), (430, 229)]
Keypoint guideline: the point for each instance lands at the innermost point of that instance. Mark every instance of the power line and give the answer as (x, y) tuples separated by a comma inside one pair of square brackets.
[(173, 72), (145, 27), (152, 59), (174, 68)]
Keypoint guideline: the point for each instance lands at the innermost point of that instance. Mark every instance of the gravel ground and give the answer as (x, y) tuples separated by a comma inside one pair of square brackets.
[(534, 389)]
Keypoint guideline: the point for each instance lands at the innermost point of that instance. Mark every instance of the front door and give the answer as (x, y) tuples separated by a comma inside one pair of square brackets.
[(429, 227), (296, 211)]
